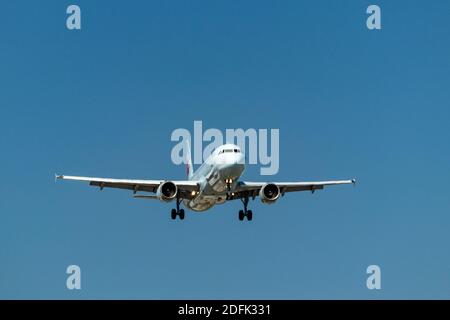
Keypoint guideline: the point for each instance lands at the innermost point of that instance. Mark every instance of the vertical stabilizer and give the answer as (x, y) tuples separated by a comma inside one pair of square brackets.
[(188, 160)]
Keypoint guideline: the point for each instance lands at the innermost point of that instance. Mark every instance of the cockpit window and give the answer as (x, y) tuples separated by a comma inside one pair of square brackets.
[(229, 151)]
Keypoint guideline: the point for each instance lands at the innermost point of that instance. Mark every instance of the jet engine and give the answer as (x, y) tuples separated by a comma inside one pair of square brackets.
[(167, 191), (269, 193)]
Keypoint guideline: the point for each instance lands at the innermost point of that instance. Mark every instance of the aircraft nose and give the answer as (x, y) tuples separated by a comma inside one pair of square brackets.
[(240, 159), (233, 166)]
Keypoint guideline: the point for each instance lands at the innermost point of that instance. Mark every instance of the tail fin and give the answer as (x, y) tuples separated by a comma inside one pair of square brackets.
[(189, 167)]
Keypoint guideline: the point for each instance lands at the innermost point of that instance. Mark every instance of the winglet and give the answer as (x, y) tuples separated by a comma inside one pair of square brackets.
[(354, 181), (58, 176)]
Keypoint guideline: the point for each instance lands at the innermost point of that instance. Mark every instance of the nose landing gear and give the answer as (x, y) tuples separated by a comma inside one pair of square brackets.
[(228, 182), (230, 194), (245, 213)]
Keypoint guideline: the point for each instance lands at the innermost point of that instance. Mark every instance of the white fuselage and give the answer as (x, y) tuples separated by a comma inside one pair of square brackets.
[(226, 164)]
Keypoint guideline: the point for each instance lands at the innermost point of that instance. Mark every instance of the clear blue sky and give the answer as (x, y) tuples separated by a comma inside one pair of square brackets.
[(103, 101)]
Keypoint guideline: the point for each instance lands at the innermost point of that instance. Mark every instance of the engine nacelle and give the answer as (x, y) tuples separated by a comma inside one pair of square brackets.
[(167, 191), (269, 193)]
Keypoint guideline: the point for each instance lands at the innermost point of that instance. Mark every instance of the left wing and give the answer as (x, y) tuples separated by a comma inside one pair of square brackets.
[(251, 189), (185, 187)]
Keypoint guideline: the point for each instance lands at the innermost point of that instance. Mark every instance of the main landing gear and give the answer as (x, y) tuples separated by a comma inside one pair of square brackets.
[(245, 213), (177, 212)]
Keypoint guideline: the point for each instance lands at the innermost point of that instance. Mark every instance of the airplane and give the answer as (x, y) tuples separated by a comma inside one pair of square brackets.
[(215, 182)]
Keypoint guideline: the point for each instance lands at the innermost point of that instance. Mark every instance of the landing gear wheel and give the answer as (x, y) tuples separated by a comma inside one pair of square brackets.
[(181, 214), (173, 214), (249, 215), (241, 215)]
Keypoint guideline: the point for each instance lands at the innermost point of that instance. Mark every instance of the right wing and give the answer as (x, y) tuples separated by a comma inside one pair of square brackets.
[(252, 189), (185, 187)]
